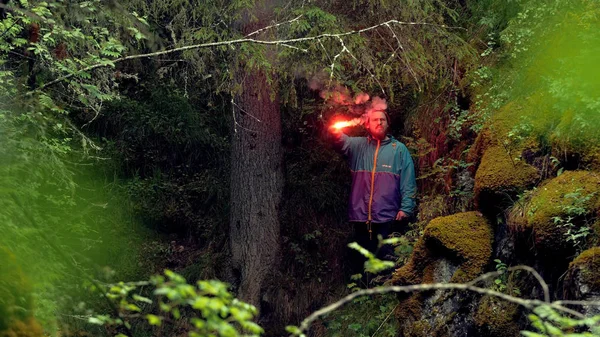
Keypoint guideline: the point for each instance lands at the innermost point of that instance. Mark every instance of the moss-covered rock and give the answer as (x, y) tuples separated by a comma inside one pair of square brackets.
[(501, 175), (15, 301), (571, 198), (497, 318), (463, 237), (453, 248), (468, 236), (583, 276), (511, 152)]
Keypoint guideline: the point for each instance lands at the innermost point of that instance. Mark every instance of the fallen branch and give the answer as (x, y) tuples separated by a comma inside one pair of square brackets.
[(470, 286)]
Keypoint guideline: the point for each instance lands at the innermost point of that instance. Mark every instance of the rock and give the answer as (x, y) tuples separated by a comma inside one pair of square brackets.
[(453, 248), (500, 177), (582, 281), (567, 199)]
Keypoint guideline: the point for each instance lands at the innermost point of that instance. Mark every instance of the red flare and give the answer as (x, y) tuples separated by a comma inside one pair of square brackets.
[(345, 124)]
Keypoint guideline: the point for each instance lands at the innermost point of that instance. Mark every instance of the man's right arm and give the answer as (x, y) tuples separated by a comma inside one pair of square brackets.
[(341, 142)]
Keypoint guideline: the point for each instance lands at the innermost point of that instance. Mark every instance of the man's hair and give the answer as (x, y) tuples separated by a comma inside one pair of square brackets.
[(387, 117)]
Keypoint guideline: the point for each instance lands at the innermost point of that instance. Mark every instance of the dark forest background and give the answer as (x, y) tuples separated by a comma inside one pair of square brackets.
[(141, 136)]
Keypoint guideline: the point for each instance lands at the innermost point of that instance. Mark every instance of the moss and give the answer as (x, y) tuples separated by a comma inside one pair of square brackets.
[(499, 175), (420, 328), (27, 328), (559, 198), (497, 318), (586, 267), (463, 237), (14, 290), (469, 236), (15, 304)]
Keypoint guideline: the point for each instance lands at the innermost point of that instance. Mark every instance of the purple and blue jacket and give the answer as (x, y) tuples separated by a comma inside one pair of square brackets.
[(383, 178)]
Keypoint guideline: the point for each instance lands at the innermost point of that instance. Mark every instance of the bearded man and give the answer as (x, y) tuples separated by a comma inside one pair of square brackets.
[(382, 199)]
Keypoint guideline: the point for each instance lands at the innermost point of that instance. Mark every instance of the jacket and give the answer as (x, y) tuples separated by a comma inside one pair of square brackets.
[(383, 178)]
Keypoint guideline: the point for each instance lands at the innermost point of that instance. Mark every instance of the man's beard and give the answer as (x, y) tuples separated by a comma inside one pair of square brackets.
[(378, 133)]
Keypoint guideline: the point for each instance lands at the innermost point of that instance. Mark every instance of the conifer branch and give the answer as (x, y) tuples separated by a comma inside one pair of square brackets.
[(283, 42)]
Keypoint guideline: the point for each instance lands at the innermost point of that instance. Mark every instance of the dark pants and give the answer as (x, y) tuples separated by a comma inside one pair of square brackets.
[(369, 241)]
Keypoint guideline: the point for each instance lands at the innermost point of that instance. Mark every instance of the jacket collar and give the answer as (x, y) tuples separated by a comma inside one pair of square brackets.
[(388, 140)]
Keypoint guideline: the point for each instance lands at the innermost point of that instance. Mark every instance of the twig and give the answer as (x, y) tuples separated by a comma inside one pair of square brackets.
[(535, 274), (235, 122), (273, 26), (385, 320), (359, 62), (9, 28), (335, 58), (410, 69), (566, 302), (246, 112)]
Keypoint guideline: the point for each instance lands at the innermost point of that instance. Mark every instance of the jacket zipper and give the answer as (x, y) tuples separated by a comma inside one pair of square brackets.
[(372, 187)]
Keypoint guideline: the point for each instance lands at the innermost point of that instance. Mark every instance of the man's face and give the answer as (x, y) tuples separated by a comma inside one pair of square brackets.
[(377, 124)]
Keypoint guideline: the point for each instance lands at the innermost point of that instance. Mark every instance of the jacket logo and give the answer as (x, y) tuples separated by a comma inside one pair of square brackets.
[(386, 166)]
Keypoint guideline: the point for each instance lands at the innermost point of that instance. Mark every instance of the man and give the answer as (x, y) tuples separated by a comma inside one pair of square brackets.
[(383, 182)]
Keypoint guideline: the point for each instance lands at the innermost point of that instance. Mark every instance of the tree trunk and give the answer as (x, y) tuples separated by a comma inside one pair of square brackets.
[(256, 185)]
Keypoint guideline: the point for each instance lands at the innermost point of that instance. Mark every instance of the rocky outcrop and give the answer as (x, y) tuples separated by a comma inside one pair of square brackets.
[(454, 248)]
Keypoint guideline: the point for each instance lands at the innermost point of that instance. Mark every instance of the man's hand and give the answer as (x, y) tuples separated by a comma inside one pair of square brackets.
[(333, 130), (401, 215)]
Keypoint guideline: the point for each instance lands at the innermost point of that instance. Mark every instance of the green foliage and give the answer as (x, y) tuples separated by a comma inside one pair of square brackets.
[(539, 64), (207, 307), (500, 282), (373, 265), (365, 316), (575, 219), (550, 323)]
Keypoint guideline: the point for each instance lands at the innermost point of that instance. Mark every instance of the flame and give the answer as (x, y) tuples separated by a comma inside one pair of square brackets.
[(345, 124)]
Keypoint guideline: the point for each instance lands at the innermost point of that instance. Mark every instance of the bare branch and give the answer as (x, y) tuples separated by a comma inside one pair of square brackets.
[(335, 58), (566, 302), (527, 303), (385, 320), (237, 41)]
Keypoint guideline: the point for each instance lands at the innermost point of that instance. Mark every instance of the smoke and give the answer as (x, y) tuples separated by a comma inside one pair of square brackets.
[(339, 97)]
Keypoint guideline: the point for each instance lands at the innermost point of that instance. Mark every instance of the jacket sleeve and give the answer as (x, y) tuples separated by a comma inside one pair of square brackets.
[(408, 183), (344, 144)]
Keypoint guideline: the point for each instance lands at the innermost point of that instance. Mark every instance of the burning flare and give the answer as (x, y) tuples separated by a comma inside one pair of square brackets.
[(345, 124)]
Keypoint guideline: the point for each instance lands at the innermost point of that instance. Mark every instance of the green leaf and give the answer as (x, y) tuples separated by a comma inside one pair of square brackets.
[(142, 299), (153, 319), (95, 320)]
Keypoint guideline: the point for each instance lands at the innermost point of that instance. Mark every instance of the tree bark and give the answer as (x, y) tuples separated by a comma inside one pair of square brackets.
[(256, 185)]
